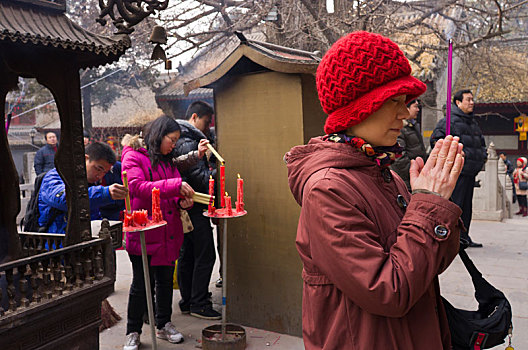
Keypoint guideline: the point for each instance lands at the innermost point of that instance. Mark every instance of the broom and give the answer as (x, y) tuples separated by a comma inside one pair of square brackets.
[(108, 316)]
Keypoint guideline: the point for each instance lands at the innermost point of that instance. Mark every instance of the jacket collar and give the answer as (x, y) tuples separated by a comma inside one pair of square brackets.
[(458, 112), (190, 130)]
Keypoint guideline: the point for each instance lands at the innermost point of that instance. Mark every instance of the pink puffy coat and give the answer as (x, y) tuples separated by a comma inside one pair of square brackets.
[(164, 243)]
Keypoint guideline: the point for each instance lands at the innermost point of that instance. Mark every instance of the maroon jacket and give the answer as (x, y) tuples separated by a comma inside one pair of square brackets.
[(370, 266)]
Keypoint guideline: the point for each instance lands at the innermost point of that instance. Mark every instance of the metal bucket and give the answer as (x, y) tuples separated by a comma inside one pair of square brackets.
[(235, 338)]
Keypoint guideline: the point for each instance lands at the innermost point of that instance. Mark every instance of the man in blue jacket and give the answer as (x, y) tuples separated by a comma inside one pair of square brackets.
[(52, 196), (45, 157)]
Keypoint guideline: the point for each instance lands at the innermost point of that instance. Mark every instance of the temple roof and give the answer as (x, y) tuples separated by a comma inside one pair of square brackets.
[(253, 55), (27, 23), (172, 92)]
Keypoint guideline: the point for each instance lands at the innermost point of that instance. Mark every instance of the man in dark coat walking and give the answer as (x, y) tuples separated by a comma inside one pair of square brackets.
[(464, 125), (45, 157), (197, 255), (411, 141)]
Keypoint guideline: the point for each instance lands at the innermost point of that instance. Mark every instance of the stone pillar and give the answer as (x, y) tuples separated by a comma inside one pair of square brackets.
[(506, 184), (29, 168), (487, 200)]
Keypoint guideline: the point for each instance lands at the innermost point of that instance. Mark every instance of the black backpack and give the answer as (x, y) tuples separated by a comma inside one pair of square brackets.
[(486, 327), (29, 222)]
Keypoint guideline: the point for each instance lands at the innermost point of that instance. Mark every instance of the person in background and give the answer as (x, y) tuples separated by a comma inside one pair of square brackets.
[(411, 141), (509, 172), (86, 138), (520, 174), (113, 210), (464, 125), (45, 157), (507, 163), (52, 195), (148, 165), (371, 251), (197, 256)]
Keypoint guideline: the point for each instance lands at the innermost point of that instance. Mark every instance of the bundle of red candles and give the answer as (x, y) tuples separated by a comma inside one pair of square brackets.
[(140, 217)]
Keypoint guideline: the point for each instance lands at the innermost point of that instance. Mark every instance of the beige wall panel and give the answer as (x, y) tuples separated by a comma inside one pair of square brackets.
[(259, 118), (313, 115)]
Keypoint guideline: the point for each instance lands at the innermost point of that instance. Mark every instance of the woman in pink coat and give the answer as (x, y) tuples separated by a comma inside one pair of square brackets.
[(147, 167)]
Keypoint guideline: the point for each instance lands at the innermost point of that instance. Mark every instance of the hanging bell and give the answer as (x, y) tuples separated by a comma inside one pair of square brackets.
[(158, 53), (158, 35), (168, 65)]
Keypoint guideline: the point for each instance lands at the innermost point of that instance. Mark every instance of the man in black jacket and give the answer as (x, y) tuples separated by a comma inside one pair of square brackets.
[(464, 125), (197, 255), (45, 157)]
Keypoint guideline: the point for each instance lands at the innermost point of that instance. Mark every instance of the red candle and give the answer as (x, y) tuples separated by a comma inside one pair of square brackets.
[(211, 208), (129, 220), (222, 185), (229, 211), (156, 210), (211, 185), (240, 194), (140, 217)]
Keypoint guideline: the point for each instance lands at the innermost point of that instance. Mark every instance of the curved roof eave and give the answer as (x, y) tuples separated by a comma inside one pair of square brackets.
[(259, 55), (29, 26)]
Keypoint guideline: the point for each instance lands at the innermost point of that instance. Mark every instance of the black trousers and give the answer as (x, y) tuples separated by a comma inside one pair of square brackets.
[(522, 200), (463, 197), (196, 262), (160, 281)]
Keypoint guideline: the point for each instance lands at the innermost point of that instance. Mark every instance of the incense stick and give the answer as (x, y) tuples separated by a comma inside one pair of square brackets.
[(449, 74), (203, 198), (217, 155), (127, 198)]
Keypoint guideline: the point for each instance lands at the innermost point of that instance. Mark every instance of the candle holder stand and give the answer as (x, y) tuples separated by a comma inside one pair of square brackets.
[(224, 336), (146, 274)]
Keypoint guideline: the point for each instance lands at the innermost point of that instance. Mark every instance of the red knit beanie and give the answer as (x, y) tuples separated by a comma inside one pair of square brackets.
[(358, 74)]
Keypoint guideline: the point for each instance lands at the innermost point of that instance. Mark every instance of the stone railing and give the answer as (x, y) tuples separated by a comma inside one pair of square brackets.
[(492, 200), (506, 185), (61, 288)]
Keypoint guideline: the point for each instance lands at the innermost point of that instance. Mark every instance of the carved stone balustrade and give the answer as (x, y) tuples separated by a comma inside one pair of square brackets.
[(488, 199)]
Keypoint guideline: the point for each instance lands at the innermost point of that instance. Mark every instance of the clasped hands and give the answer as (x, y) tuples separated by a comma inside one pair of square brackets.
[(440, 173)]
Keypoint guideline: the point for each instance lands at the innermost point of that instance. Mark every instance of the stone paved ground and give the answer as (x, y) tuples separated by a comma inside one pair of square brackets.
[(503, 262)]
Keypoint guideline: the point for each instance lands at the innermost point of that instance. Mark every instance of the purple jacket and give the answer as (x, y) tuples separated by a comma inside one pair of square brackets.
[(164, 243)]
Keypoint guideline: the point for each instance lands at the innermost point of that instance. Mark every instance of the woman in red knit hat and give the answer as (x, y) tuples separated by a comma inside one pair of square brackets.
[(371, 250)]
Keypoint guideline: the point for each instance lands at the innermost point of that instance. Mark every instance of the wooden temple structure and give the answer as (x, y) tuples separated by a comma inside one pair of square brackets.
[(265, 103), (51, 298)]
